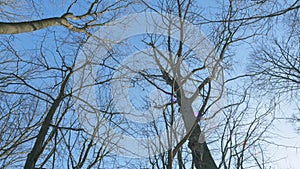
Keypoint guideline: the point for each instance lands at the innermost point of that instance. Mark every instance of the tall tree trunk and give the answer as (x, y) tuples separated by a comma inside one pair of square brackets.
[(38, 149), (202, 157)]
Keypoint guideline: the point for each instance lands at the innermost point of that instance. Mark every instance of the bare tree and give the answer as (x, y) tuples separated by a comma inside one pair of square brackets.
[(276, 65), (231, 28), (36, 94), (40, 126)]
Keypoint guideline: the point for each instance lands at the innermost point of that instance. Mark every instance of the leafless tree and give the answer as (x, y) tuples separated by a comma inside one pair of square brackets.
[(40, 127), (276, 65)]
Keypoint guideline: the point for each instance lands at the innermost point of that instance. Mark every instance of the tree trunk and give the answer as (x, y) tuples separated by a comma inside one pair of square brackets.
[(38, 149), (202, 157)]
